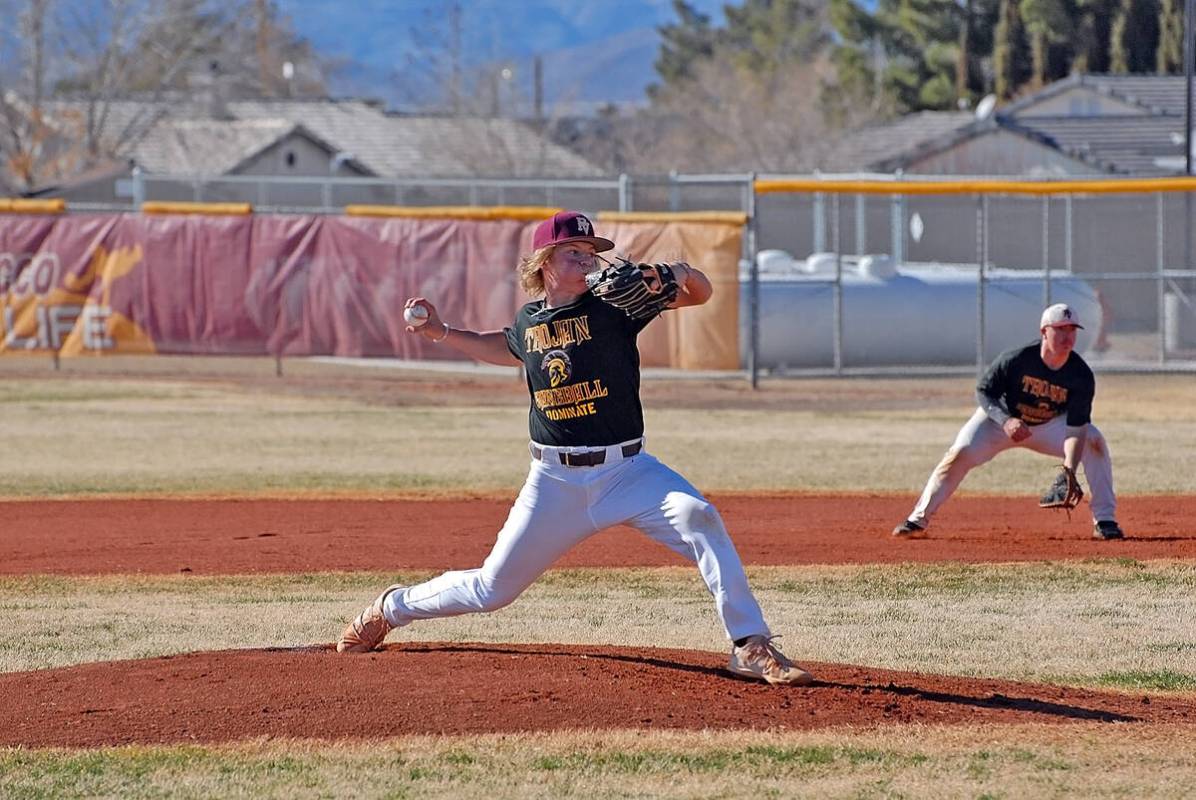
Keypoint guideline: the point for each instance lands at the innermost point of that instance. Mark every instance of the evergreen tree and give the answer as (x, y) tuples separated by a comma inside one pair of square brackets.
[(1093, 20), (1119, 56), (1170, 54), (963, 54), (915, 48), (766, 35), (1134, 37), (1143, 35), (855, 58), (1048, 24), (686, 41), (1009, 51)]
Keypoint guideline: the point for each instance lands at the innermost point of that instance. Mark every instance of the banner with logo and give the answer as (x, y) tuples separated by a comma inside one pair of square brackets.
[(299, 285), (700, 337)]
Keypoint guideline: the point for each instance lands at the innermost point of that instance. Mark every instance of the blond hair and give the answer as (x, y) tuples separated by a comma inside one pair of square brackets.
[(531, 276)]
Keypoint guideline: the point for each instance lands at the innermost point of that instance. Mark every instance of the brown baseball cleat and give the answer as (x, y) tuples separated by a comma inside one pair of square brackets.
[(909, 530), (366, 632), (760, 659), (1107, 529)]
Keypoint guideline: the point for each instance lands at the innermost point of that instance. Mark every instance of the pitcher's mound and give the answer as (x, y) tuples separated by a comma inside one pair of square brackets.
[(442, 688)]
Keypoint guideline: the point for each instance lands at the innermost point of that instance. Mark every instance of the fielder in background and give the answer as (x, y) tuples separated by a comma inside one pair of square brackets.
[(1038, 396), (589, 469)]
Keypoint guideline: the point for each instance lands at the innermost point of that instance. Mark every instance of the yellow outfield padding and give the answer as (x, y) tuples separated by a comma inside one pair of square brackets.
[(517, 213), (721, 217), (166, 207), (23, 205), (1113, 186)]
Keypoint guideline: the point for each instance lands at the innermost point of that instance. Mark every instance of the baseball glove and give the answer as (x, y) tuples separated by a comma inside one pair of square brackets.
[(1065, 492), (641, 291)]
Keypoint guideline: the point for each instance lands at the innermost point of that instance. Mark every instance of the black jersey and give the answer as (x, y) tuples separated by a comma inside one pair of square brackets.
[(583, 372), (1035, 393)]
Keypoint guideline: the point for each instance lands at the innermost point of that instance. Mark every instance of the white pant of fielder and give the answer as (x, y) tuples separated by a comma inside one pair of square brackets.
[(561, 506), (980, 439)]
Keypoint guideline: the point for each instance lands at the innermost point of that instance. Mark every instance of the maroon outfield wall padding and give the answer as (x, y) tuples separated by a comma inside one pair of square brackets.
[(264, 284)]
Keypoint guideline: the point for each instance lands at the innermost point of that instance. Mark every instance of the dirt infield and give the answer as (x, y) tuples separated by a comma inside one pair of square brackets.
[(256, 536), (436, 688)]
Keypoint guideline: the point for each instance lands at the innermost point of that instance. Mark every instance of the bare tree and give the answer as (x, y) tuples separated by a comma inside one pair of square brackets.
[(121, 66), (138, 48), (728, 117), (25, 138)]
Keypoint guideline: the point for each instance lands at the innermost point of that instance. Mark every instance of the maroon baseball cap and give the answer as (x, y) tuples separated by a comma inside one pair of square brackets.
[(569, 226)]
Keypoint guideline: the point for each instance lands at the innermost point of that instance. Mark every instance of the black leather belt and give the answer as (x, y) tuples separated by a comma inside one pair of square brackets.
[(589, 458)]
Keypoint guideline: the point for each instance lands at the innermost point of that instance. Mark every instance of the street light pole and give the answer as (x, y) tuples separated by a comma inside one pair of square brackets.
[(1189, 5)]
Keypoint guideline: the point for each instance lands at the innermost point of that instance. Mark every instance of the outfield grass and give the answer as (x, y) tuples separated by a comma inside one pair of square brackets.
[(94, 436), (1118, 624), (1081, 760)]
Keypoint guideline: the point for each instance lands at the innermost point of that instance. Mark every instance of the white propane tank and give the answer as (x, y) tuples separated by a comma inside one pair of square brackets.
[(907, 315)]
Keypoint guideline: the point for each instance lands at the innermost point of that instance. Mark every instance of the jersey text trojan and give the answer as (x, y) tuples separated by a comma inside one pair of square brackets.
[(564, 332)]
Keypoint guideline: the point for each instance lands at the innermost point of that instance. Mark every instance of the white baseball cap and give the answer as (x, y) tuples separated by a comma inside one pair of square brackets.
[(1059, 315)]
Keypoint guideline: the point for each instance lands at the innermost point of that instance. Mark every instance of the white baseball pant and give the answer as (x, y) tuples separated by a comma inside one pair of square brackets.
[(561, 506), (980, 439)]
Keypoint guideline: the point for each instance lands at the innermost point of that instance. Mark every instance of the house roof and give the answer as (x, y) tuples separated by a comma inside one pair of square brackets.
[(396, 145), (872, 147), (194, 146), (1131, 145), (184, 137), (1126, 145), (1154, 94)]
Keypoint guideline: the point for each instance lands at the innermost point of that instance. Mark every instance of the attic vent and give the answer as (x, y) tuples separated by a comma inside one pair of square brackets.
[(290, 158)]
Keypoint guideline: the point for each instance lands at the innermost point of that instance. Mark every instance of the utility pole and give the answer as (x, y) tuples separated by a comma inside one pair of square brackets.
[(1189, 5), (1189, 53), (265, 72), (538, 88)]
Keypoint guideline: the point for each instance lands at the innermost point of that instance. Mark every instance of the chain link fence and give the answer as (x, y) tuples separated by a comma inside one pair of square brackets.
[(956, 256)]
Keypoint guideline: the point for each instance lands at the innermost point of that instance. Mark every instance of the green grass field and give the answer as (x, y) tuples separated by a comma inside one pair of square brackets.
[(152, 427), (101, 435)]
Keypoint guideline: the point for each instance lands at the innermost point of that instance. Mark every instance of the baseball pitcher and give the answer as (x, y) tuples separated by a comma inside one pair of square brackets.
[(589, 469)]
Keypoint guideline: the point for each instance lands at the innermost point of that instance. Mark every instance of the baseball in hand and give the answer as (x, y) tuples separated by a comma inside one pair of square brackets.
[(416, 316)]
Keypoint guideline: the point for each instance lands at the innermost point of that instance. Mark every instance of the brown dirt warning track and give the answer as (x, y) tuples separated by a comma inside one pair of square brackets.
[(438, 688)]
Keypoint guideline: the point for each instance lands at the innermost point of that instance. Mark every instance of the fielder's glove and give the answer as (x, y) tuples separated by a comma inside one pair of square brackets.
[(641, 291), (1065, 492)]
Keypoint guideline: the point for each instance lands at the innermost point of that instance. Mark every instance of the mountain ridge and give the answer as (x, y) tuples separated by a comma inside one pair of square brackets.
[(592, 55)]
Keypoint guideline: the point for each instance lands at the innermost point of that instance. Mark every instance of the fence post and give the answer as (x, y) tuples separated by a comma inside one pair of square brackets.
[(1161, 280), (981, 258), (897, 221), (753, 287), (624, 192), (138, 188), (819, 223), (1068, 254), (837, 229), (1046, 260), (861, 225)]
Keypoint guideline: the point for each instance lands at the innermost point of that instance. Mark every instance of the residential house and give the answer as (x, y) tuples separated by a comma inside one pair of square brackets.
[(1082, 125), (170, 144)]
